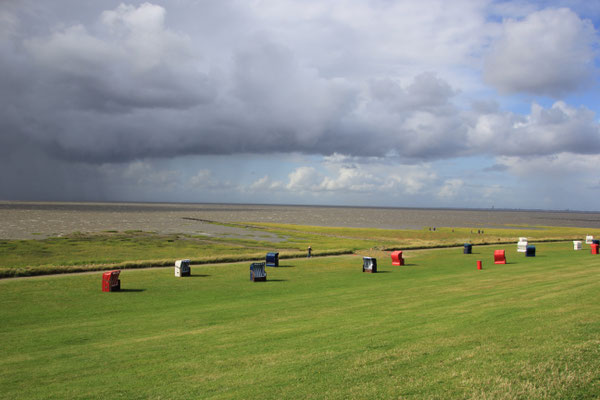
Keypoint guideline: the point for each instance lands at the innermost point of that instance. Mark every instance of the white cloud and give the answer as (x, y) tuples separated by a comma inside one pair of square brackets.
[(344, 174), (142, 173), (142, 34), (492, 191), (264, 184), (579, 167), (410, 179), (560, 128), (130, 60), (380, 36), (304, 179), (451, 188), (204, 179), (352, 179), (72, 50), (550, 52)]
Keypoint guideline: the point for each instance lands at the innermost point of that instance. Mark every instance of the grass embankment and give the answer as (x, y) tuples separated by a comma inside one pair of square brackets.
[(80, 252), (318, 328)]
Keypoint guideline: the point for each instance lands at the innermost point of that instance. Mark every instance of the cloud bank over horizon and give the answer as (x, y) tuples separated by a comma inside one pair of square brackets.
[(367, 103)]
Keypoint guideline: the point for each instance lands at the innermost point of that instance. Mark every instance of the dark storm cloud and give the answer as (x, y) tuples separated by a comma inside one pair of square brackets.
[(27, 172), (131, 89), (123, 84)]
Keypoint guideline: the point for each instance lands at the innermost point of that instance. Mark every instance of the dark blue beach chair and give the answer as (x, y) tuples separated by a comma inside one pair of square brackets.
[(272, 260), (257, 272)]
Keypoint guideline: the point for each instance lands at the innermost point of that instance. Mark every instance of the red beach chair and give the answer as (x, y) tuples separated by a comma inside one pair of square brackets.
[(397, 258), (499, 257), (111, 281)]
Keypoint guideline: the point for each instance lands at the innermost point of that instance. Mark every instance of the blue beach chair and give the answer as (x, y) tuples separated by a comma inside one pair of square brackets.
[(272, 260), (257, 272)]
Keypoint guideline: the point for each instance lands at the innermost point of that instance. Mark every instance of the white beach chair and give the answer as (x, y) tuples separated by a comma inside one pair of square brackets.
[(182, 268)]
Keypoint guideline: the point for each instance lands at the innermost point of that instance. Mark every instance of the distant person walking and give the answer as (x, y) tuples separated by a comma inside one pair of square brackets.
[(309, 255)]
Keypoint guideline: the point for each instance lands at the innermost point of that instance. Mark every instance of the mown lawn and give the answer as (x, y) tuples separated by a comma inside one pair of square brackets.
[(318, 328)]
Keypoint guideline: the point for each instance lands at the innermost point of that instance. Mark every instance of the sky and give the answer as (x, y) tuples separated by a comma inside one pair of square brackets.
[(429, 103)]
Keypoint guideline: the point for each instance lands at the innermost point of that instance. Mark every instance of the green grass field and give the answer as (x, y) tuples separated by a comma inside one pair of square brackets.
[(79, 252), (318, 328)]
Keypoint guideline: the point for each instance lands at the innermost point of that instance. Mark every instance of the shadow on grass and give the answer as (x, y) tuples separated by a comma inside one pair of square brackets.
[(276, 280), (383, 272), (287, 266), (132, 290)]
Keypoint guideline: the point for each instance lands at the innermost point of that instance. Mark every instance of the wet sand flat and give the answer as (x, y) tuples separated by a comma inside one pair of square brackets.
[(26, 220)]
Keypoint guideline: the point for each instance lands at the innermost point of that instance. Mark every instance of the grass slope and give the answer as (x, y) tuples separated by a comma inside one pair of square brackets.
[(318, 328), (135, 249)]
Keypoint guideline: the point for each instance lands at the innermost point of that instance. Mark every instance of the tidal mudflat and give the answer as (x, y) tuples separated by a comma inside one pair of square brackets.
[(30, 220)]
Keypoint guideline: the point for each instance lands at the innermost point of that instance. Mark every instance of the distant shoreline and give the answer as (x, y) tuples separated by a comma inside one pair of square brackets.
[(166, 204), (38, 220)]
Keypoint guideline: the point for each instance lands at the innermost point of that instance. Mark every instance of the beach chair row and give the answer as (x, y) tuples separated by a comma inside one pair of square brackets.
[(258, 273)]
